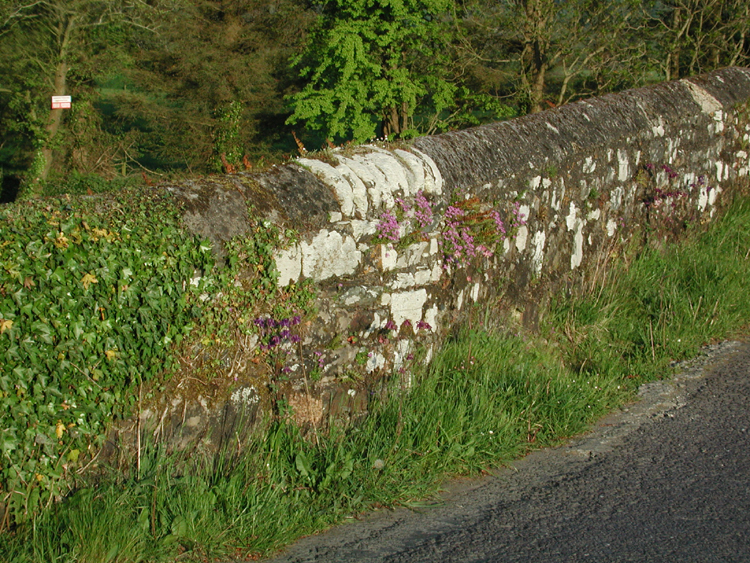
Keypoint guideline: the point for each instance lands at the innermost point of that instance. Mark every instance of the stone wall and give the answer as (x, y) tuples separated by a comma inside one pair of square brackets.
[(401, 241)]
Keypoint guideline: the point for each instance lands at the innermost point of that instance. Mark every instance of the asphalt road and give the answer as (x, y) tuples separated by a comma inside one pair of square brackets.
[(667, 479)]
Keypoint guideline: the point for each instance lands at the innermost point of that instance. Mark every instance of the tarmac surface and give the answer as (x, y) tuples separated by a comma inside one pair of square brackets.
[(665, 479)]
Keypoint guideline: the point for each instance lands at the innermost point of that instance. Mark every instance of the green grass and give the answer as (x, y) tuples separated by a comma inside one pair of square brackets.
[(488, 397)]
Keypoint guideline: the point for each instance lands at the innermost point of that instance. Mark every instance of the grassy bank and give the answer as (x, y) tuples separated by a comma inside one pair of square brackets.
[(488, 397)]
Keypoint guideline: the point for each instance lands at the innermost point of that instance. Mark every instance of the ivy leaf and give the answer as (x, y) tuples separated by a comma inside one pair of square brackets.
[(5, 324), (87, 280)]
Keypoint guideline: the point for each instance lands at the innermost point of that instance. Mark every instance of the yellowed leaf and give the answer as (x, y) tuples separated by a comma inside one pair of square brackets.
[(5, 324), (111, 354), (59, 429), (87, 280), (61, 241)]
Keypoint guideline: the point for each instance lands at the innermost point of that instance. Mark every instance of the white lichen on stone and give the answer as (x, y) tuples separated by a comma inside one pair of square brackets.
[(289, 265), (402, 281), (706, 101), (245, 396), (408, 306), (521, 237), (375, 361), (388, 257), (611, 227), (537, 259), (475, 292), (623, 165), (329, 254)]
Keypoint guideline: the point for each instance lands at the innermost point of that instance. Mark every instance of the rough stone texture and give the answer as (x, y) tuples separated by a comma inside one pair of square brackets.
[(583, 183)]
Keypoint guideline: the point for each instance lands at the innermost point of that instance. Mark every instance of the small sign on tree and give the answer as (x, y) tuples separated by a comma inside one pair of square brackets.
[(61, 102)]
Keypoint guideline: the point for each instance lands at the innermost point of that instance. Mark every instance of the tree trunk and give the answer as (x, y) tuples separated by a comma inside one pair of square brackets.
[(55, 118)]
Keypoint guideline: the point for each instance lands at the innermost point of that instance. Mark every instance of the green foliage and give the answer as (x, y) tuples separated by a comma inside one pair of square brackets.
[(371, 65), (88, 305)]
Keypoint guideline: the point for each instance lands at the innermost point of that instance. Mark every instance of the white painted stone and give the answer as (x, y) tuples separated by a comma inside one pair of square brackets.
[(521, 238), (571, 219), (594, 215), (388, 257), (329, 254), (535, 182), (414, 169), (540, 237), (335, 217), (433, 246), (363, 228), (437, 272), (392, 169), (403, 348), (475, 292), (332, 177), (706, 101), (703, 199), (615, 197), (658, 129), (589, 165), (433, 183), (719, 168), (741, 155), (460, 300), (422, 277), (378, 192), (523, 212), (402, 281), (623, 168), (385, 299), (546, 183), (408, 306), (289, 265), (611, 227), (506, 246), (375, 361), (359, 190), (577, 256), (430, 317), (412, 254)]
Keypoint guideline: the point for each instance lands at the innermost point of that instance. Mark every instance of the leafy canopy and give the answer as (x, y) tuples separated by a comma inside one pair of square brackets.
[(371, 64)]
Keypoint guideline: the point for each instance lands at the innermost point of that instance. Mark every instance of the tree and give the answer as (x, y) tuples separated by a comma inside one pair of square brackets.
[(55, 48), (553, 51), (211, 84), (373, 66), (695, 36)]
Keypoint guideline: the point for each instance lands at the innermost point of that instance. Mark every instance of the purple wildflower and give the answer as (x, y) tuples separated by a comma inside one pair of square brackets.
[(388, 227), (453, 212), (423, 212), (390, 325), (422, 325)]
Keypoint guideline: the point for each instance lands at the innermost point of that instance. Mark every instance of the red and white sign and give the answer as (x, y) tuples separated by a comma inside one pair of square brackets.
[(61, 102)]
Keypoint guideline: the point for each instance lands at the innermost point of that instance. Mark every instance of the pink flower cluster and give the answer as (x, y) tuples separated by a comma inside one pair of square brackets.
[(458, 242), (423, 211), (388, 228)]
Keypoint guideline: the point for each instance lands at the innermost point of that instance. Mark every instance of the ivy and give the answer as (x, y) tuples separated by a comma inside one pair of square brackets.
[(90, 303)]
